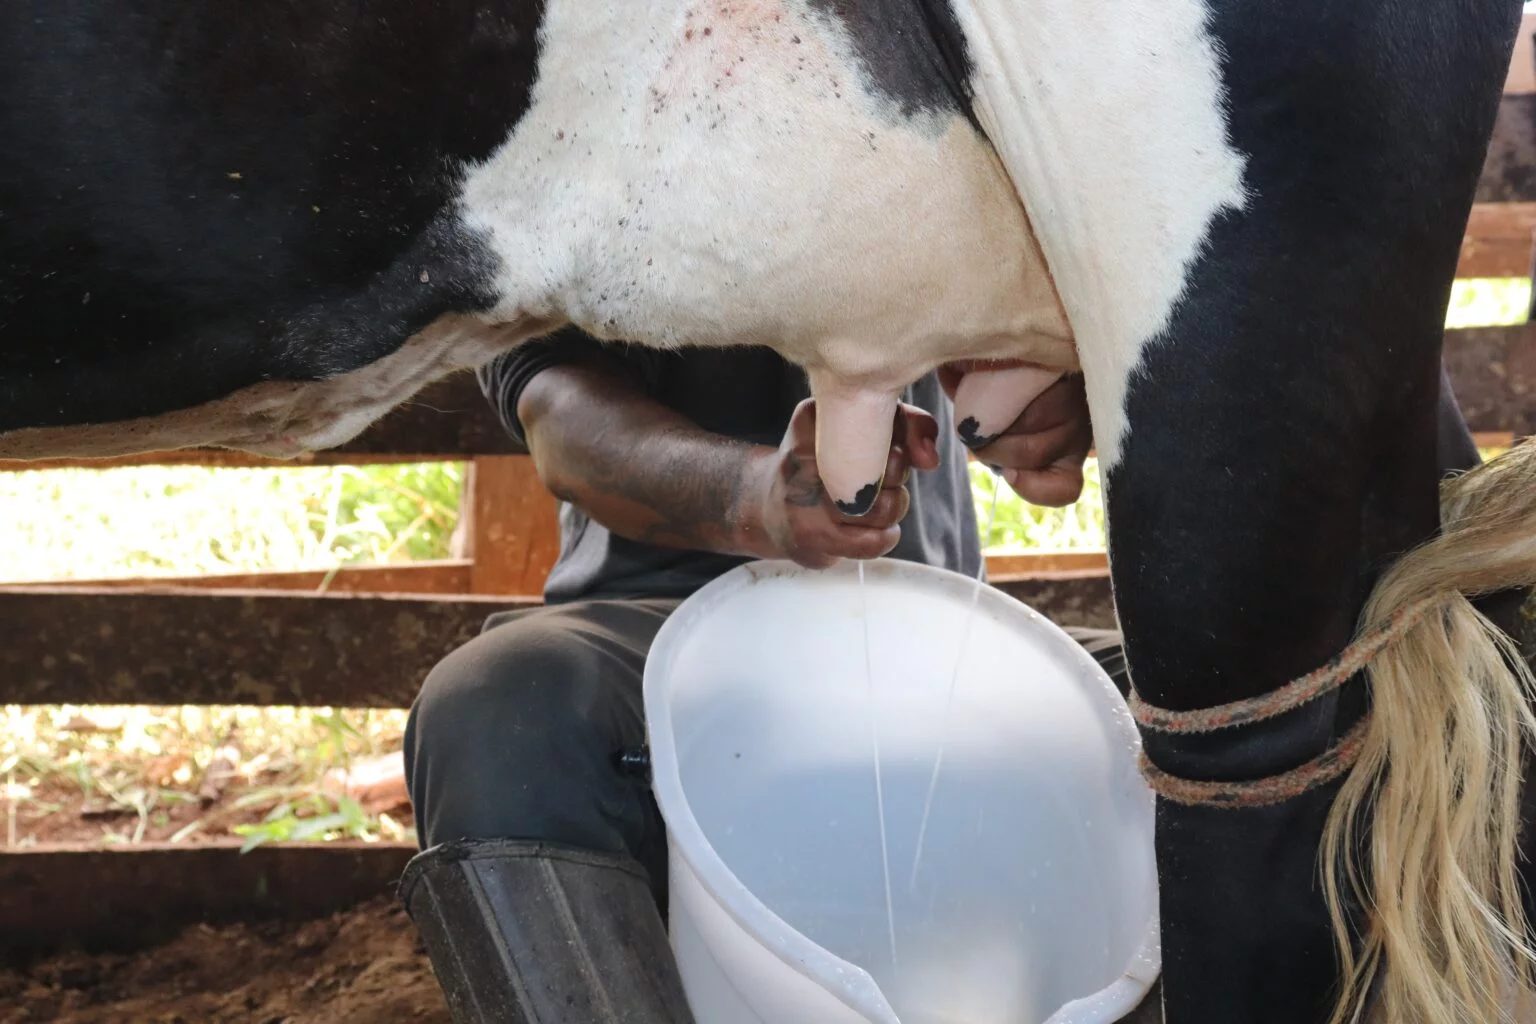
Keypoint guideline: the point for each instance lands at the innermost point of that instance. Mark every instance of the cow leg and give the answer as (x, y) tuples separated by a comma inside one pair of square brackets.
[(1281, 449), (1242, 544), (1252, 213)]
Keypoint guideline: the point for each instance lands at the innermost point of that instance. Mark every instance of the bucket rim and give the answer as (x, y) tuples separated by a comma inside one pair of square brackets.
[(849, 983)]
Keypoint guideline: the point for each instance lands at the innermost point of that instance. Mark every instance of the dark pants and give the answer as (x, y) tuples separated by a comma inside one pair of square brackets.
[(514, 735)]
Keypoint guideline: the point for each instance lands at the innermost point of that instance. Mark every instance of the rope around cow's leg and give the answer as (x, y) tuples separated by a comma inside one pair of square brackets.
[(1321, 770)]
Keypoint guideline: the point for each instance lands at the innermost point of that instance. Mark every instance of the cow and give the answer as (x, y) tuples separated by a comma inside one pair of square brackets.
[(263, 225)]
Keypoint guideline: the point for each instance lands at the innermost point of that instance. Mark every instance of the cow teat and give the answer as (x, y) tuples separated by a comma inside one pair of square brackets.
[(989, 398), (854, 426)]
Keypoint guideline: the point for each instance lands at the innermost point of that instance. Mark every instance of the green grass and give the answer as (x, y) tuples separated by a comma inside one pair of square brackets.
[(1018, 526), (184, 520), (1486, 301)]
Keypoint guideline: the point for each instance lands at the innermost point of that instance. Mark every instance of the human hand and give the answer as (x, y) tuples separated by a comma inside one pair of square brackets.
[(1041, 453), (788, 514)]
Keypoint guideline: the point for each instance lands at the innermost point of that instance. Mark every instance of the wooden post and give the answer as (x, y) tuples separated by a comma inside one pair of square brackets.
[(513, 531), (1498, 240), (1522, 67)]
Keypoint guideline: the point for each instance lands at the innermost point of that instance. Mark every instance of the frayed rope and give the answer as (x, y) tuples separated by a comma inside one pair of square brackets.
[(1321, 770)]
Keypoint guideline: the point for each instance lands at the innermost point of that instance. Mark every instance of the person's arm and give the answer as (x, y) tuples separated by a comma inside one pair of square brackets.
[(648, 473)]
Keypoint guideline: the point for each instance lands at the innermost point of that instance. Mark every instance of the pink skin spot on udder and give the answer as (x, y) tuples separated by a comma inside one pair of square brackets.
[(718, 37)]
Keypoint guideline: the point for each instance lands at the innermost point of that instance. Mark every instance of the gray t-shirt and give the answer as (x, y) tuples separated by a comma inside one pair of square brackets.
[(744, 393)]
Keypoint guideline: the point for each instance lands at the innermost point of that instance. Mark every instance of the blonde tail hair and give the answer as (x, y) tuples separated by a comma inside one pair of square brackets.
[(1440, 776)]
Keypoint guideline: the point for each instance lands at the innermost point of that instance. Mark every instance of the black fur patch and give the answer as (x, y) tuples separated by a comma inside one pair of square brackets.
[(970, 433), (862, 502), (1282, 448), (912, 50), (201, 197)]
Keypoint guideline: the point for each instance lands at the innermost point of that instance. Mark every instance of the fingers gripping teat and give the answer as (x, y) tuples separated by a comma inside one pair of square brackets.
[(853, 442), (987, 401)]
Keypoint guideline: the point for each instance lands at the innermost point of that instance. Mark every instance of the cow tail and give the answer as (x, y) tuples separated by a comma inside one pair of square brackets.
[(1423, 835)]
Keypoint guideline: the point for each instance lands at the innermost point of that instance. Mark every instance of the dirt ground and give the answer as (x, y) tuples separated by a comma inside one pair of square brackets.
[(362, 966), (56, 813), (72, 805)]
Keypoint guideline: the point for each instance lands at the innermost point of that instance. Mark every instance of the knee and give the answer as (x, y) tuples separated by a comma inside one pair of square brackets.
[(513, 736), (509, 697)]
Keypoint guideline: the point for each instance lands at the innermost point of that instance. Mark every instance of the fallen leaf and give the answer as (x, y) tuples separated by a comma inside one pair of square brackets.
[(105, 811), (378, 783), (80, 723), (163, 770)]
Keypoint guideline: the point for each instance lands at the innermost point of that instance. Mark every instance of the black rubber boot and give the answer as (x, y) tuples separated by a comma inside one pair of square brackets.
[(528, 933)]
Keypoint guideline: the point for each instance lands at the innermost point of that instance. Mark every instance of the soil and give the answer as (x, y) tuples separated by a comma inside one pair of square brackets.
[(362, 966), (57, 813)]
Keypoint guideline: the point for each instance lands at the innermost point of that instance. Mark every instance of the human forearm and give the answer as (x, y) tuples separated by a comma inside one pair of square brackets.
[(650, 474), (639, 468)]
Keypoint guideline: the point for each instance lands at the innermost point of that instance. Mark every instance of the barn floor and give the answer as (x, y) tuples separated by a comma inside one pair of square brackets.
[(358, 967)]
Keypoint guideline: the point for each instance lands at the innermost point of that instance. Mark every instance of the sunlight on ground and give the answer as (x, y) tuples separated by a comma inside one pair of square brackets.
[(122, 775), (115, 775)]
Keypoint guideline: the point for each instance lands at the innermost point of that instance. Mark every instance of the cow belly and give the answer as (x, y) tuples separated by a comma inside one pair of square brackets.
[(282, 419)]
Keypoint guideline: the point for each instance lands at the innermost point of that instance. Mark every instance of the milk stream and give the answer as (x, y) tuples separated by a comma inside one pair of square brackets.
[(949, 697), (874, 732)]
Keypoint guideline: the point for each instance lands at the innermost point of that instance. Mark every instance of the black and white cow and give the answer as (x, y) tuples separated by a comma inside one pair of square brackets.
[(263, 225)]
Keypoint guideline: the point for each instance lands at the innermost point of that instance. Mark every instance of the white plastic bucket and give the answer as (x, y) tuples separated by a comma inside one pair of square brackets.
[(1036, 896)]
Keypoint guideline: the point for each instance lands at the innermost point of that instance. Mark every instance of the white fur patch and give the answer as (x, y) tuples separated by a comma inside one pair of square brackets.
[(716, 172), (1111, 120)]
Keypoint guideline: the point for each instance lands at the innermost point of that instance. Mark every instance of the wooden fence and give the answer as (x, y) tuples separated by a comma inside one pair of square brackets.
[(365, 637)]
